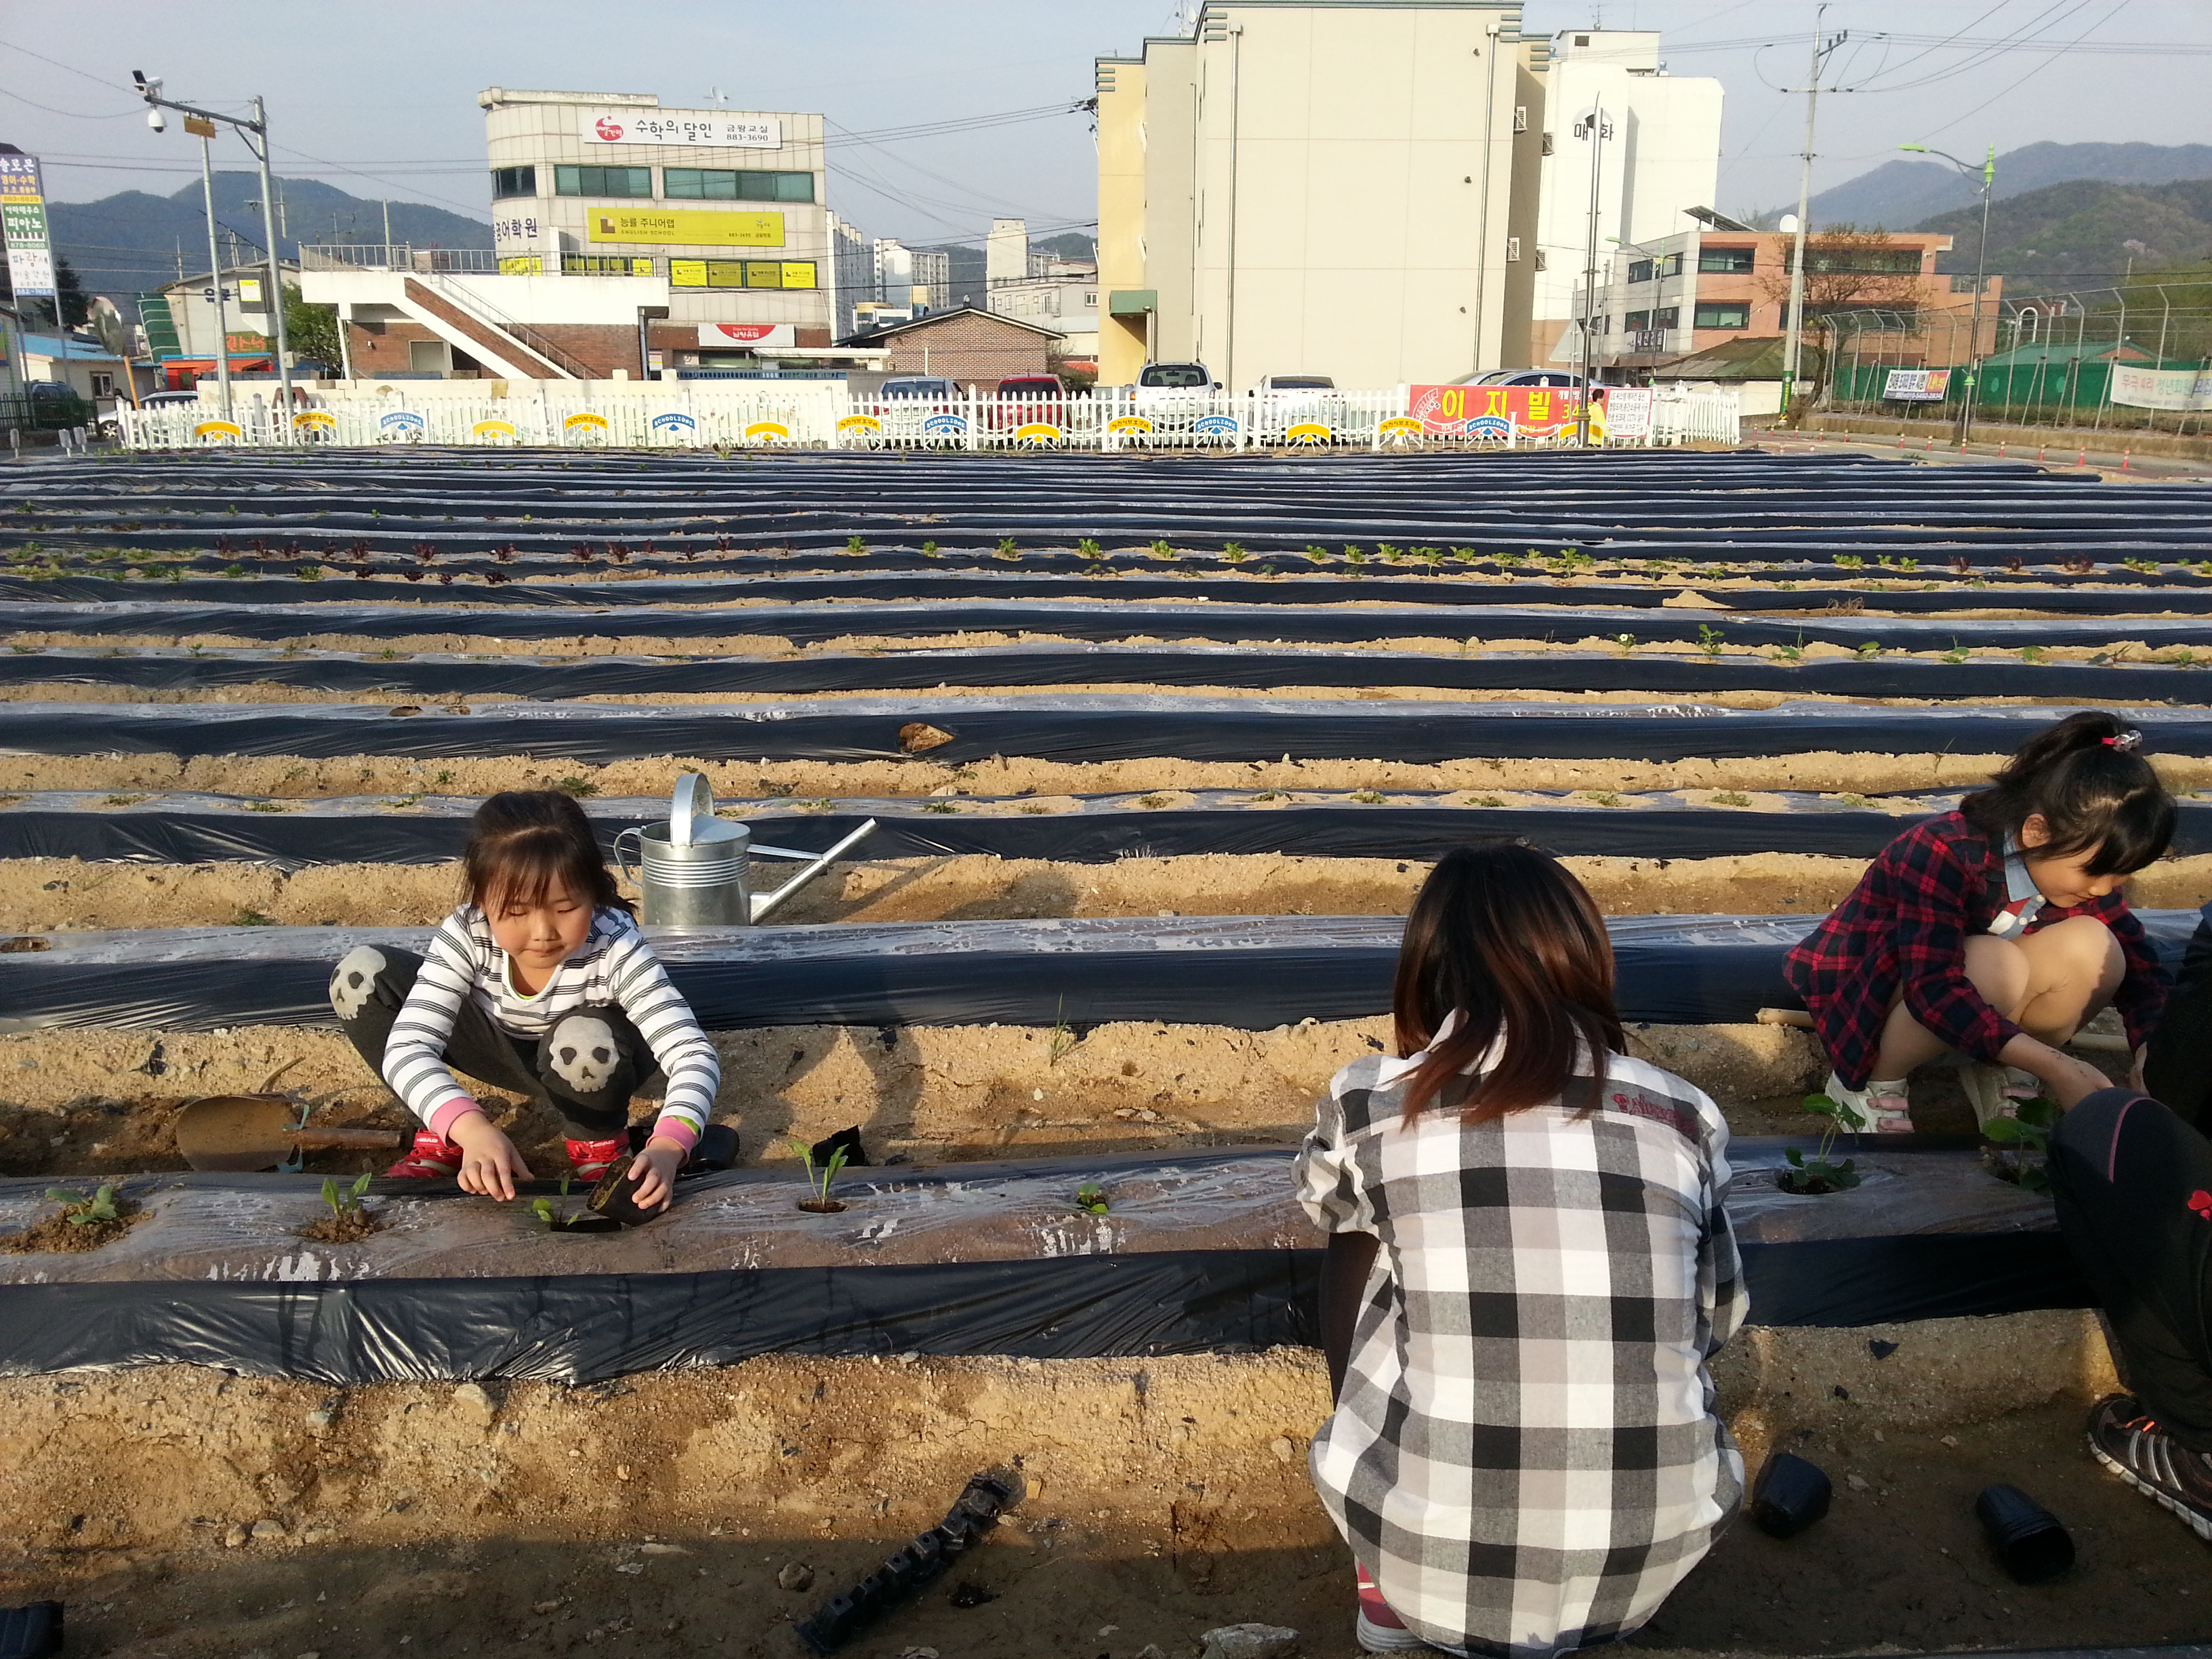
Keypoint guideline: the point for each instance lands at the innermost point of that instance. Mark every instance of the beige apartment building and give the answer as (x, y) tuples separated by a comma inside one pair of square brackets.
[(1380, 191)]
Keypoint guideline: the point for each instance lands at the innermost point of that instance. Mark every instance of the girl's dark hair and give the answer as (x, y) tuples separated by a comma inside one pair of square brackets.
[(1503, 934), (523, 843), (2085, 779)]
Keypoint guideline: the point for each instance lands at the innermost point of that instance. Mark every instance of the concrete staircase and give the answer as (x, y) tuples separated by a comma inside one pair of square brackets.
[(499, 343)]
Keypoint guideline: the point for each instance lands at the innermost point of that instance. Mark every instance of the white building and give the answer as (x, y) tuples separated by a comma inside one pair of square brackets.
[(1662, 160), (852, 273), (1006, 252), (1069, 305)]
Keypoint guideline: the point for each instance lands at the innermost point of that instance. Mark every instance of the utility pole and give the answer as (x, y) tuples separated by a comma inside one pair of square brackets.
[(1482, 213), (255, 131), (204, 131), (1793, 327), (1597, 129), (387, 230), (1989, 172)]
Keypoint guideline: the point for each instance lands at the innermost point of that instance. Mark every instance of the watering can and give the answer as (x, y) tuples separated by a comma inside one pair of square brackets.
[(694, 871)]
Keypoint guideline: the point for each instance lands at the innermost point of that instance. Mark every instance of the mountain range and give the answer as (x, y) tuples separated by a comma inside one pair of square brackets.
[(1901, 195)]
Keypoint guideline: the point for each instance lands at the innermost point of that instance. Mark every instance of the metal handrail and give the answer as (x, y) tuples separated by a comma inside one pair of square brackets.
[(463, 300)]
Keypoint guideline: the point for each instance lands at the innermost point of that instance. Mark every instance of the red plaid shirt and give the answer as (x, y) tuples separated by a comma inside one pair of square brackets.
[(1907, 922)]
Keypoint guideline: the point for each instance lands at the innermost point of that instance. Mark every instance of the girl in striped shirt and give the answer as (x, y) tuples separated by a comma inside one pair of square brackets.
[(540, 983)]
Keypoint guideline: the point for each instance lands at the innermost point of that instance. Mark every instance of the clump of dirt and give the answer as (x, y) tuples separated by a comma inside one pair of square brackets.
[(343, 1227), (73, 1229)]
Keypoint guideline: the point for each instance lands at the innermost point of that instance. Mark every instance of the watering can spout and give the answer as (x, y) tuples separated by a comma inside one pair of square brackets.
[(764, 902)]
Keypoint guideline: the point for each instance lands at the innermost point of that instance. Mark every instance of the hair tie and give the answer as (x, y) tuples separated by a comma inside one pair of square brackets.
[(2123, 741)]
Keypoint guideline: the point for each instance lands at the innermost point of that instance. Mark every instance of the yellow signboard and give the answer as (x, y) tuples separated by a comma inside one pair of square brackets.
[(218, 430), (687, 227), (1308, 431), (860, 423), (1128, 423), (493, 428), (1401, 426), (767, 432), (1036, 432), (320, 420)]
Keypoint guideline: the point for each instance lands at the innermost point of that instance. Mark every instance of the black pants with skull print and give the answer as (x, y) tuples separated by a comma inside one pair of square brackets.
[(591, 1046)]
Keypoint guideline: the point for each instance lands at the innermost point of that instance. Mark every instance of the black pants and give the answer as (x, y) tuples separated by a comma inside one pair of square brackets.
[(586, 1067), (2134, 1185), (2178, 1068)]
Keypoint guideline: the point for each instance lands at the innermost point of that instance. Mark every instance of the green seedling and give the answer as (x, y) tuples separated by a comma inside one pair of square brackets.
[(1731, 798), (83, 1211), (1465, 555), (233, 570), (1234, 552), (1490, 800), (1857, 802), (2028, 1138), (929, 549), (2032, 654), (1007, 550), (1869, 651), (1626, 641), (1368, 797), (1090, 549), (1789, 653), (1430, 555), (1511, 560), (345, 1200), (1090, 1197), (1152, 803), (1850, 562), (274, 806), (1710, 639), (1388, 552), (1318, 554), (856, 545), (306, 573), (1162, 550), (1819, 1174), (551, 1212), (817, 1181), (1064, 1038), (581, 789), (251, 918), (1957, 654), (1353, 554), (1601, 797)]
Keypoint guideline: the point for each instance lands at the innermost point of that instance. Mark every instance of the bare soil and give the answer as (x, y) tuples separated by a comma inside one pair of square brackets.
[(1163, 1497), (347, 1226)]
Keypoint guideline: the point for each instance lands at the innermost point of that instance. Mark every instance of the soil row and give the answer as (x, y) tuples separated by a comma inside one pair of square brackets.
[(44, 895), (1477, 782)]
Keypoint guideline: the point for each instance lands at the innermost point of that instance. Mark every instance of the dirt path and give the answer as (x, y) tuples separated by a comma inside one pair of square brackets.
[(1163, 1497)]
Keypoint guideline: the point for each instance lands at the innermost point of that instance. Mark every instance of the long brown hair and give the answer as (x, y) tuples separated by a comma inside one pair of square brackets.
[(523, 843), (1506, 936)]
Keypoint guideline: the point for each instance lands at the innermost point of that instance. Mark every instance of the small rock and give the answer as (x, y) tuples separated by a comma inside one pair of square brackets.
[(632, 1567), (621, 1471), (554, 1605), (269, 1527), (1281, 1446), (1108, 1629), (312, 1653), (321, 1418), (662, 1549), (917, 1653), (317, 1536), (1250, 1641), (1858, 1483), (1150, 1650), (475, 1403), (794, 1575), (237, 1535)]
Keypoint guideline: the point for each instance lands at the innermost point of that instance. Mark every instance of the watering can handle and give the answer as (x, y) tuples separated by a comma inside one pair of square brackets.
[(621, 863), (693, 803)]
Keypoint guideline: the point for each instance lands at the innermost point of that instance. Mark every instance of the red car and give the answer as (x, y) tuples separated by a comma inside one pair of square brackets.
[(1029, 398)]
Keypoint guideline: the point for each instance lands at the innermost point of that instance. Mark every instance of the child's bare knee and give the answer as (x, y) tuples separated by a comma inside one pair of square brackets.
[(1999, 970)]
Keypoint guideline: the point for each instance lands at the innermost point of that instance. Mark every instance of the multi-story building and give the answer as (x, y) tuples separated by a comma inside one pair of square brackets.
[(851, 273), (1654, 142), (629, 237), (1689, 292), (1069, 305), (933, 278), (1381, 191)]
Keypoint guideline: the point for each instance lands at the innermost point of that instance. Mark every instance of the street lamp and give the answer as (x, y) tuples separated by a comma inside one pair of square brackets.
[(255, 131), (1989, 172), (1597, 129)]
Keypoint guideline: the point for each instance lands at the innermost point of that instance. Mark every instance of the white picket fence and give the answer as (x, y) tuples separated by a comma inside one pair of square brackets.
[(823, 415)]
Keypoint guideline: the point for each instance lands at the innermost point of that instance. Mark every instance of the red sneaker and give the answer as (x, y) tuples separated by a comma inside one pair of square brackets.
[(432, 1157), (1378, 1629), (590, 1158)]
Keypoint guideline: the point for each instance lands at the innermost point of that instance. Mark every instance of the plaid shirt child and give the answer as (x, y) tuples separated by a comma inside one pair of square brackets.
[(1525, 1457), (1906, 923)]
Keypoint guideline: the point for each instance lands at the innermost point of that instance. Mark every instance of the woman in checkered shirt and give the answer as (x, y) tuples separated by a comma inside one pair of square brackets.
[(1996, 931), (1528, 1266)]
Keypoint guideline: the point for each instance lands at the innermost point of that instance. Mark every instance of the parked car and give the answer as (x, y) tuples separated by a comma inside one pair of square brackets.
[(919, 385), (1525, 377), (1176, 377), (1022, 399), (1280, 402), (168, 399), (1269, 383), (47, 406)]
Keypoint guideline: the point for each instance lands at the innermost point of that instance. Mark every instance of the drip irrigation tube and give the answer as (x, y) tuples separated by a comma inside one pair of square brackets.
[(438, 676), (1070, 729), (1090, 618), (1252, 973), (183, 828)]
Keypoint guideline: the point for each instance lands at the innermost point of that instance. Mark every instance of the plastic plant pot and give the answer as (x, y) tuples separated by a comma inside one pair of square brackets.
[(615, 1198), (1789, 1495), (586, 1222), (2027, 1538)]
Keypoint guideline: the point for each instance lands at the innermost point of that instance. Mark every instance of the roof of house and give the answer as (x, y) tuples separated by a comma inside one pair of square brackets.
[(81, 351), (891, 330), (1747, 358), (2063, 351)]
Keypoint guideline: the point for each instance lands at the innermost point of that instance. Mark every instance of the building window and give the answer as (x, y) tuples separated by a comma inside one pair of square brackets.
[(1725, 260), (1735, 314), (513, 181), (634, 183), (1639, 321), (1669, 317), (103, 385), (742, 273), (1869, 261), (725, 184), (603, 264), (1640, 270)]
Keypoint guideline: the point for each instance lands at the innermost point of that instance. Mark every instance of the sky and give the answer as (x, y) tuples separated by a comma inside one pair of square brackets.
[(393, 112)]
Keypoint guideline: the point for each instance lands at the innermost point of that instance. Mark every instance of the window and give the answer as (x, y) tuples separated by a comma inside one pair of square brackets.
[(1724, 259), (103, 385), (635, 183), (1639, 321), (1732, 314), (605, 265), (1547, 143), (513, 181), (722, 185), (1640, 270), (1542, 262), (742, 273), (1669, 317), (1512, 250), (1671, 265), (1520, 117), (1870, 261)]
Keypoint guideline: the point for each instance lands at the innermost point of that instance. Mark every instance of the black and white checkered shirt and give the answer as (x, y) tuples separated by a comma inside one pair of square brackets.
[(1525, 1456)]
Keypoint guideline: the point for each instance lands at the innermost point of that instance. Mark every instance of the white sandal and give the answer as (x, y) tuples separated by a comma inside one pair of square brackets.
[(1996, 1092), (1879, 1108)]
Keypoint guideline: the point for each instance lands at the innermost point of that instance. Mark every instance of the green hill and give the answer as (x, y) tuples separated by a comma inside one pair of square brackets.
[(2082, 235)]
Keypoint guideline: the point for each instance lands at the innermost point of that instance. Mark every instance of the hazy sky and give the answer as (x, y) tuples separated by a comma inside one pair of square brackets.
[(392, 94)]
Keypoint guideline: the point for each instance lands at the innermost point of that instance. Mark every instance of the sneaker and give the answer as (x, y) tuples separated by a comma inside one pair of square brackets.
[(2129, 1443), (1378, 1629), (1988, 1090), (1878, 1109), (431, 1158), (590, 1158)]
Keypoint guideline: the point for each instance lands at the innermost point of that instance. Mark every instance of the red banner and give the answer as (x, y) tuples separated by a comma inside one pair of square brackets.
[(1496, 411)]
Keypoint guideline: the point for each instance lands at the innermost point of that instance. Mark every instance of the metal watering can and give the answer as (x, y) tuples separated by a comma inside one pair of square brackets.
[(694, 871)]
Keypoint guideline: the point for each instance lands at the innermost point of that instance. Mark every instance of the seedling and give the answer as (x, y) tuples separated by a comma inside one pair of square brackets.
[(856, 545), (1509, 561), (1465, 555), (1317, 554), (1710, 639), (1368, 797), (2032, 654), (1064, 1038), (1851, 561), (1957, 654), (1162, 550), (1234, 552), (817, 1197), (1789, 653), (1090, 549), (1090, 1197), (2028, 1137), (345, 1200), (1626, 641), (1007, 550), (1731, 798), (82, 1211), (929, 549), (233, 569), (581, 789), (1819, 1174), (1152, 802), (1354, 554), (1490, 800), (939, 805), (1869, 651), (1601, 797), (1388, 552)]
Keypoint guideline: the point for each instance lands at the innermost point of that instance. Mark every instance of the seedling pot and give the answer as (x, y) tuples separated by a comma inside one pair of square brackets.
[(586, 1222), (822, 1206), (1789, 1495), (615, 1197), (2027, 1538)]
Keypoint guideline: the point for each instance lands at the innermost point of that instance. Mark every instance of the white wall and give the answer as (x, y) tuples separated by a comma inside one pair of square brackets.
[(527, 300)]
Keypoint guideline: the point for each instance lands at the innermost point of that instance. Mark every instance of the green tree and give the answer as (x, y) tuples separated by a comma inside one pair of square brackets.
[(312, 331), (70, 295)]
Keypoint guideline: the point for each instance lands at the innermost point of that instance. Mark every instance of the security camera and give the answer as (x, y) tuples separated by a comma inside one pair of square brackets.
[(156, 120)]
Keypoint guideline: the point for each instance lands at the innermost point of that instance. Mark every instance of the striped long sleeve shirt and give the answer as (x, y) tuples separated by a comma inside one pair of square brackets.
[(614, 965)]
